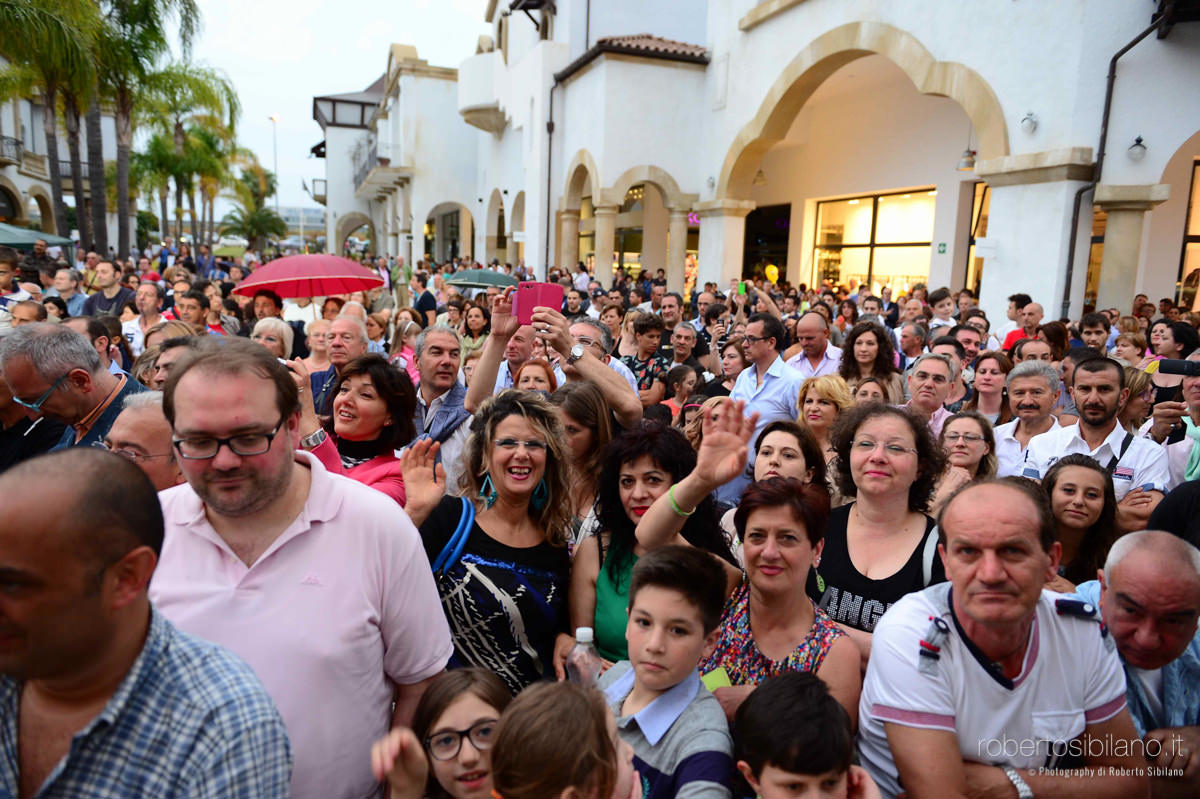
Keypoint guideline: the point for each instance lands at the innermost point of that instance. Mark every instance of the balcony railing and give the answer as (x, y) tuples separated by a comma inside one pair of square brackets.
[(319, 187), (11, 150), (64, 169)]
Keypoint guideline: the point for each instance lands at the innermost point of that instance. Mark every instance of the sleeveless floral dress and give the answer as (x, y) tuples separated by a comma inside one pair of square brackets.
[(737, 652)]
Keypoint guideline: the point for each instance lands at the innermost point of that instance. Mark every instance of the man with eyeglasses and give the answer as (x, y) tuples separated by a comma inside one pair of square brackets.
[(1032, 392), (929, 384), (54, 371), (99, 694), (315, 581), (141, 434), (22, 436), (348, 339)]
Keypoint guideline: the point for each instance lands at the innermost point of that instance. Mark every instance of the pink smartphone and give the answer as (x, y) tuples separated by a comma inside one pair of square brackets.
[(530, 295)]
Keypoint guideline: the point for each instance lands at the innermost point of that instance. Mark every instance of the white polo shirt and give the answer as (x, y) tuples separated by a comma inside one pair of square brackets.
[(1071, 678), (1010, 455), (1143, 464)]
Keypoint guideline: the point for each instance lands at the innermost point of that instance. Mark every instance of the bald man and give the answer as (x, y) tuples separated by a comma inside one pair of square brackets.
[(1031, 316), (99, 694)]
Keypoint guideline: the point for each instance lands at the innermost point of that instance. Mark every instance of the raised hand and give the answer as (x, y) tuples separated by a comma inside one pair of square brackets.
[(553, 328), (724, 449), (400, 760), (424, 479), (504, 323)]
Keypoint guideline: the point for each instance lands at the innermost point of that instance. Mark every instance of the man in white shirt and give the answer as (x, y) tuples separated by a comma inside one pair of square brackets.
[(986, 685), (817, 356), (149, 300), (582, 278), (768, 387), (1032, 391), (1138, 465)]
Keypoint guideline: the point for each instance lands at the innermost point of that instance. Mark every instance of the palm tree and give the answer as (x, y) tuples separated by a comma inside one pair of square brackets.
[(252, 219), (133, 39), (97, 199), (151, 171), (53, 51), (183, 93)]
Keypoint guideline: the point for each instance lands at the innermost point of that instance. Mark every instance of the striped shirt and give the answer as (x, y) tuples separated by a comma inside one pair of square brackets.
[(189, 720)]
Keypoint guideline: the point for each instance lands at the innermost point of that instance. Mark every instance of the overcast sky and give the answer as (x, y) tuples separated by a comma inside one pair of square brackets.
[(282, 53)]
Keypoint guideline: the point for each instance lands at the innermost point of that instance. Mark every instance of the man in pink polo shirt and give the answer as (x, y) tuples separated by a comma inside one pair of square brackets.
[(320, 583)]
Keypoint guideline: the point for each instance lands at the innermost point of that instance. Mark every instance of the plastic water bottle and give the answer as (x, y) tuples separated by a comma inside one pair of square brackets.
[(583, 662)]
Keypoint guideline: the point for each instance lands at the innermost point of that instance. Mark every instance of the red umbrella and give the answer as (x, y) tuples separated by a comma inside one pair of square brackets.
[(318, 275)]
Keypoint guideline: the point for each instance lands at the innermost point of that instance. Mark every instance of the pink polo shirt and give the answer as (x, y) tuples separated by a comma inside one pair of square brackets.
[(341, 607)]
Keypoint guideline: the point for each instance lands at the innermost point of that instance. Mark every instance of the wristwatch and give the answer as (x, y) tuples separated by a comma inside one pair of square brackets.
[(313, 440), (576, 354), (1023, 789)]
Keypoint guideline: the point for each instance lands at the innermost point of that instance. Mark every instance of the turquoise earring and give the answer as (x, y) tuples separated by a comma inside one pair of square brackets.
[(540, 495), (487, 491)]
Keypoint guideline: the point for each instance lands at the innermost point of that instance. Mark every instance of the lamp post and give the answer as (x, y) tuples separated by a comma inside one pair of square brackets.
[(275, 155)]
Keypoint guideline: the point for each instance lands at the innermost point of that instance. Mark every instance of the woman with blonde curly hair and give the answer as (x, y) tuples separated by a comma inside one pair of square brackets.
[(499, 549), (821, 402)]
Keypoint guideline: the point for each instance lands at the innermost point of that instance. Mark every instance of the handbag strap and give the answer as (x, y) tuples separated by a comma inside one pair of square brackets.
[(452, 551)]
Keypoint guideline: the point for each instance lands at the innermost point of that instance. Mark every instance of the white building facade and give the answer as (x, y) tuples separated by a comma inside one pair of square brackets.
[(25, 193), (712, 138)]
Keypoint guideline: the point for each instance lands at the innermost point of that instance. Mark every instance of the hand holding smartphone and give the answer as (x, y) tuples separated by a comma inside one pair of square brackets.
[(531, 294)]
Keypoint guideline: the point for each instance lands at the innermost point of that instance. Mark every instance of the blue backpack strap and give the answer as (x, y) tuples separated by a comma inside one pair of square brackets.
[(458, 541)]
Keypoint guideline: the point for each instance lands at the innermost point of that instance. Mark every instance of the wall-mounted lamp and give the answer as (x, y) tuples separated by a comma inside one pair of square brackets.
[(504, 191), (1137, 150), (760, 178), (1029, 122), (712, 182)]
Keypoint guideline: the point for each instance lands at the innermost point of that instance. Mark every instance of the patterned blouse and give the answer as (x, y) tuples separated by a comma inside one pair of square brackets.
[(738, 653)]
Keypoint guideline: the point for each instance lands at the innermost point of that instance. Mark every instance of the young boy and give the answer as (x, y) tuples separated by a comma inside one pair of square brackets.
[(791, 738), (942, 304), (677, 728)]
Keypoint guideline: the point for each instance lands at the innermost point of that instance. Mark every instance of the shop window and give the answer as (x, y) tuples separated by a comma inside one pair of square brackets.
[(878, 239), (1095, 258), (1189, 262), (8, 207)]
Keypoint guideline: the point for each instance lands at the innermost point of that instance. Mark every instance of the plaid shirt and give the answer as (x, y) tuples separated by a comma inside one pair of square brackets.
[(189, 720)]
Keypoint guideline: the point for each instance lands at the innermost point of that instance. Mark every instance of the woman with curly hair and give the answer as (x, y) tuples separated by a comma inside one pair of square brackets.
[(869, 353), (822, 400), (639, 466), (883, 545), (500, 551)]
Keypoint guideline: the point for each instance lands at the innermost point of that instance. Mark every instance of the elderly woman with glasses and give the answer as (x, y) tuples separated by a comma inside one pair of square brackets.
[(882, 545)]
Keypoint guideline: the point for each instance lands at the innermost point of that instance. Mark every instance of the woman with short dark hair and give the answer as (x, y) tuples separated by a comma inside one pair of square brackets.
[(373, 404)]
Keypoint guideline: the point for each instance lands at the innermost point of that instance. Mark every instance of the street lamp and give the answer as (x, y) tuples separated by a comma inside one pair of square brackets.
[(275, 155)]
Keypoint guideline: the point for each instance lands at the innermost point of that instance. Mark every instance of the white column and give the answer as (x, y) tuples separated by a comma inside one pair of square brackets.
[(722, 240), (677, 232), (1126, 207)]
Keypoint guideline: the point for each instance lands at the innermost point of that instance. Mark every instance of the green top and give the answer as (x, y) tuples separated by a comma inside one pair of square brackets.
[(612, 603)]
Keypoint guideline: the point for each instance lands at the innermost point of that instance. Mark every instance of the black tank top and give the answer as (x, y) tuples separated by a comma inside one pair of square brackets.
[(852, 598)]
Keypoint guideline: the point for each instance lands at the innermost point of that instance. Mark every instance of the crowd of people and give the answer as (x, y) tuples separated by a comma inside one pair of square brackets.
[(827, 541)]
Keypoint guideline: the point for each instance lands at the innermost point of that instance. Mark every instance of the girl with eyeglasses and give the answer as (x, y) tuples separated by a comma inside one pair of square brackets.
[(453, 730), (970, 447)]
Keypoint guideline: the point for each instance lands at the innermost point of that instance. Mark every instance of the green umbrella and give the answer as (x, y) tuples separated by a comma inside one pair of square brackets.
[(480, 279), (20, 238)]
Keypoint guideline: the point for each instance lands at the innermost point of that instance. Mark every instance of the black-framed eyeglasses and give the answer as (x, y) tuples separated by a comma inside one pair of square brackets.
[(749, 339), (446, 744), (199, 448), (36, 405)]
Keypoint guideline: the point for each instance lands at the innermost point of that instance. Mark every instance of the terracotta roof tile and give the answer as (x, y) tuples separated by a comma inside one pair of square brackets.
[(654, 44)]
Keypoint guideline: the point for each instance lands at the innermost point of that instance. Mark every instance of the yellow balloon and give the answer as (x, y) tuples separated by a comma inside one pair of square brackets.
[(772, 273)]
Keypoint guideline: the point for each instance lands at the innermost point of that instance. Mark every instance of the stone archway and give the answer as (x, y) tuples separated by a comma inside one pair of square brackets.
[(495, 243), (348, 224), (677, 204), (830, 52), (449, 230), (45, 205), (12, 197)]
